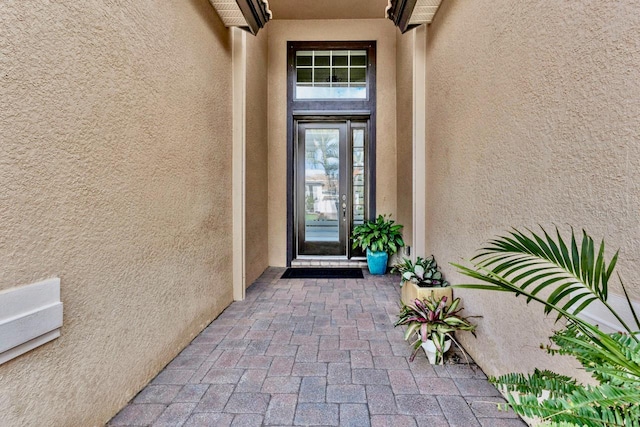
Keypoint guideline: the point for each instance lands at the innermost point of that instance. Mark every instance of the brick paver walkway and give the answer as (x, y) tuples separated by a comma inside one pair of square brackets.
[(313, 352)]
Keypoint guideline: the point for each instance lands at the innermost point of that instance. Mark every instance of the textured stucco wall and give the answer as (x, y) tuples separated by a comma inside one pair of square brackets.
[(281, 31), (115, 175), (404, 132), (257, 152), (532, 117)]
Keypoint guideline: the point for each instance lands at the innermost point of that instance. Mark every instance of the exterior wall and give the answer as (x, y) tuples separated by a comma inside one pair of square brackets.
[(115, 173), (256, 216), (532, 119), (281, 31), (404, 132)]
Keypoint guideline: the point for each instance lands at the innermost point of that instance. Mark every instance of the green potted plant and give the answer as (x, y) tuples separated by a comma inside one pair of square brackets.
[(566, 277), (379, 238), (422, 279), (431, 324)]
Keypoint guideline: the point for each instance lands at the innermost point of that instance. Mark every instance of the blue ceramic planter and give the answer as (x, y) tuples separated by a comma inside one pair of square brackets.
[(377, 262)]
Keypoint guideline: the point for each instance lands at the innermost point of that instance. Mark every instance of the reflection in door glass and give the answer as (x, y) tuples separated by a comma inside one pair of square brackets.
[(358, 170), (321, 194)]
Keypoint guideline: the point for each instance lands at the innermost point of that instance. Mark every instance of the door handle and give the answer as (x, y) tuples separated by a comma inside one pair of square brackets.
[(344, 210)]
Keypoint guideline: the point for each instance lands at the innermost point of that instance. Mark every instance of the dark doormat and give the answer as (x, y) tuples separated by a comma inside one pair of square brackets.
[(323, 273)]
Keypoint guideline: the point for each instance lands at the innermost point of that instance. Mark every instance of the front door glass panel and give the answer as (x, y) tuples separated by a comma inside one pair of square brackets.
[(359, 178), (322, 185)]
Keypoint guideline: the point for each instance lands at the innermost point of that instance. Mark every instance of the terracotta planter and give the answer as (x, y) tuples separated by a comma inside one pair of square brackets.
[(410, 291)]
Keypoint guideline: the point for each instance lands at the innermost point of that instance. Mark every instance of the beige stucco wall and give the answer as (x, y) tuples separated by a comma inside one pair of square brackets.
[(404, 132), (115, 176), (532, 117), (256, 166), (281, 31)]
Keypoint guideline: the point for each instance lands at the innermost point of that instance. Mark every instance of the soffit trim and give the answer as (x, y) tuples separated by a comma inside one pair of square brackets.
[(249, 15), (408, 14)]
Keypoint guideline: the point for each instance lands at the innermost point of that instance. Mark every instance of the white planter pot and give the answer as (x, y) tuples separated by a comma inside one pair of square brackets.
[(430, 350)]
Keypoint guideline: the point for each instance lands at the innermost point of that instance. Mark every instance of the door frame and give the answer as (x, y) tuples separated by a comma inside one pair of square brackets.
[(348, 123), (327, 109)]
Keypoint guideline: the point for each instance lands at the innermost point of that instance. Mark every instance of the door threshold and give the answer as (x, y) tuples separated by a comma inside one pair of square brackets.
[(328, 262)]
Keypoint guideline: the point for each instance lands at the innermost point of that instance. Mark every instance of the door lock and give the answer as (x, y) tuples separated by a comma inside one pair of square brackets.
[(344, 209)]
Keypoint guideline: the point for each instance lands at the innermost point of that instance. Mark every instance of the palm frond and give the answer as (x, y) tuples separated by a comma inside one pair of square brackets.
[(629, 303), (566, 279), (574, 275), (616, 361)]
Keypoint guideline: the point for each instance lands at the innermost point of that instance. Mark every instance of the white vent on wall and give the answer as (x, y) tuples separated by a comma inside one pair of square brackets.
[(30, 316)]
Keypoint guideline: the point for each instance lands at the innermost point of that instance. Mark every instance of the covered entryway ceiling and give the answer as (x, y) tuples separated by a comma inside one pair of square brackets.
[(254, 14), (415, 12), (328, 9)]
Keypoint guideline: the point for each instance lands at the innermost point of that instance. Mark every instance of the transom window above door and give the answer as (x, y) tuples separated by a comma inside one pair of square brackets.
[(331, 74)]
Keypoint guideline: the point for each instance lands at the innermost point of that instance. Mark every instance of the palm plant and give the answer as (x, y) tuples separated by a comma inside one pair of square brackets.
[(574, 276), (432, 319)]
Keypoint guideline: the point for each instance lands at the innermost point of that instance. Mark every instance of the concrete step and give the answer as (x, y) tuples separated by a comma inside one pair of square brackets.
[(328, 263)]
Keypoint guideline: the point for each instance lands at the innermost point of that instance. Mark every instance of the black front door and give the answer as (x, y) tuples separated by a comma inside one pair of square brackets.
[(331, 184)]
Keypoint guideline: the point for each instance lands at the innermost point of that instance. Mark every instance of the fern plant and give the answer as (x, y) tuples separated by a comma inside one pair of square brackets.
[(573, 276)]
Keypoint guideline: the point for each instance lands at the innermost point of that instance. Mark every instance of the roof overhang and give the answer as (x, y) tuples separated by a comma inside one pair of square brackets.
[(408, 14), (250, 15)]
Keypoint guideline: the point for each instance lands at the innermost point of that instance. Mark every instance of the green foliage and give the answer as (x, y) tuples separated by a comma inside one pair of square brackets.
[(379, 235), (572, 276), (424, 272), (432, 319), (538, 383), (602, 405)]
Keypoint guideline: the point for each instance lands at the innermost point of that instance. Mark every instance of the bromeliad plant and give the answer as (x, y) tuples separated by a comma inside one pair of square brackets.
[(573, 276), (424, 272), (380, 235), (431, 319)]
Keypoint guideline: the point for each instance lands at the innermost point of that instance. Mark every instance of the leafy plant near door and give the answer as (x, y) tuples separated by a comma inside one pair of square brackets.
[(431, 322), (424, 272), (573, 276), (421, 279), (379, 238)]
